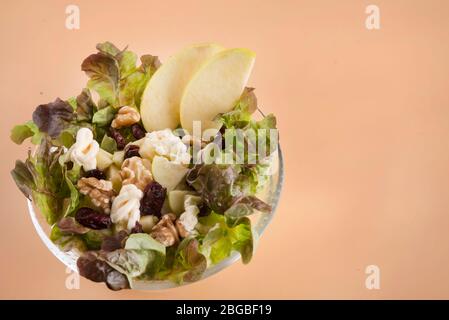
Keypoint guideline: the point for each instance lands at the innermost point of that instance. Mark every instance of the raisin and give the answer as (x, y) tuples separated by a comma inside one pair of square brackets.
[(95, 173), (204, 211), (137, 131), (131, 151), (153, 199), (117, 241), (90, 218), (117, 136)]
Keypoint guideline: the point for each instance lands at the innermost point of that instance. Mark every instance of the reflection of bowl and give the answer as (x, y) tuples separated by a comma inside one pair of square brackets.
[(260, 221)]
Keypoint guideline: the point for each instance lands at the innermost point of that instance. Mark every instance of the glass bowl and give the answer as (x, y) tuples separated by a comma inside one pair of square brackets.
[(260, 221)]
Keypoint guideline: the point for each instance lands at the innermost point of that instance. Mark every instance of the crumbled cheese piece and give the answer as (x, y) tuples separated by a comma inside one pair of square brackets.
[(84, 151), (189, 218), (126, 206), (164, 143)]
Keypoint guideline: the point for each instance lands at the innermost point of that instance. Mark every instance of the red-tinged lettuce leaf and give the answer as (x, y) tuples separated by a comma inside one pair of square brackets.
[(246, 206), (224, 188), (108, 48), (53, 117), (69, 225), (114, 75), (40, 178), (215, 184), (85, 106), (23, 177), (103, 71), (93, 267)]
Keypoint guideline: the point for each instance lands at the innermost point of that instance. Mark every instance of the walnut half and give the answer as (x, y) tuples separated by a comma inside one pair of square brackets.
[(136, 171), (165, 231), (99, 191), (125, 117)]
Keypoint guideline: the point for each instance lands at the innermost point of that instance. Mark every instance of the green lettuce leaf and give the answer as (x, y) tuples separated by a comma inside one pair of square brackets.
[(143, 241), (225, 235), (185, 263), (70, 178), (22, 132), (67, 241), (41, 178), (94, 238), (103, 117), (108, 144)]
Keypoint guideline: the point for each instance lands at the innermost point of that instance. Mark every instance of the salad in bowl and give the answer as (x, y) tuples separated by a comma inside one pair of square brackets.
[(154, 172)]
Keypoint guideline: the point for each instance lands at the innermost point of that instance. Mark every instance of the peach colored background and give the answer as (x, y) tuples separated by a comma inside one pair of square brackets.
[(364, 120)]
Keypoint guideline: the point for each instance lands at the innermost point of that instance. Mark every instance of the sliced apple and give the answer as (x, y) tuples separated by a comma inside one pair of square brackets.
[(216, 87), (104, 159), (113, 175), (160, 101), (167, 173), (176, 200)]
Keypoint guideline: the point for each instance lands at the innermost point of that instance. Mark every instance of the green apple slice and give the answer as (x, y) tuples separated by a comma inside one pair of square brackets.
[(176, 200), (104, 159), (167, 173), (160, 101), (216, 87)]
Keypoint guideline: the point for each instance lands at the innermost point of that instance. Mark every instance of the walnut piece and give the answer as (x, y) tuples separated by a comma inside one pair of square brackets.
[(136, 171), (165, 231), (183, 233), (125, 117), (99, 191)]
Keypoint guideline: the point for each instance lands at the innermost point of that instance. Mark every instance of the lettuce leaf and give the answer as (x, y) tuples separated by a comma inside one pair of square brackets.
[(225, 235), (24, 131), (223, 186), (185, 263), (53, 117), (103, 117), (44, 179), (103, 71), (108, 144), (94, 268), (115, 77), (85, 106)]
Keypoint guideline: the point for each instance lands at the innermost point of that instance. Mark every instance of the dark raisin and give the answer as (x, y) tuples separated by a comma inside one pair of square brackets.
[(69, 165), (117, 136), (204, 211), (137, 228), (117, 241), (131, 151), (92, 219), (137, 131), (95, 173), (153, 199)]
